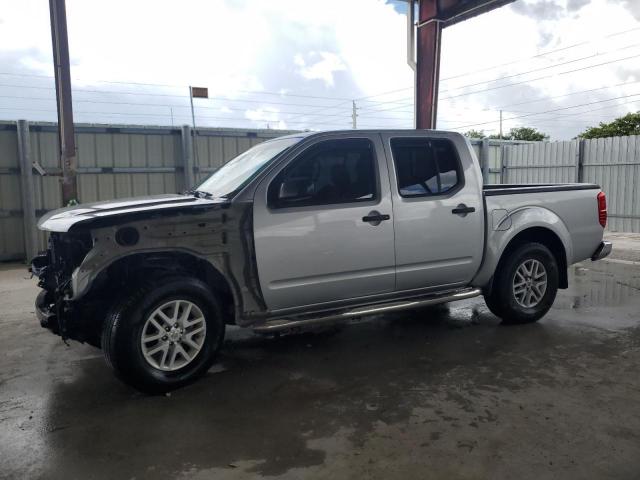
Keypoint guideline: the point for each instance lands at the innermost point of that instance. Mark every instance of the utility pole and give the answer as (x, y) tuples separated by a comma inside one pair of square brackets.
[(354, 115), (66, 133), (500, 124)]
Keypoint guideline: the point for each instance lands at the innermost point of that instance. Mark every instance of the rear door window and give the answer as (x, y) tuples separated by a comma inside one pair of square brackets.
[(425, 167)]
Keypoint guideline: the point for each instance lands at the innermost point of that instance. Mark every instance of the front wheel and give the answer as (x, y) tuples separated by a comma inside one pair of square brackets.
[(525, 285), (164, 335)]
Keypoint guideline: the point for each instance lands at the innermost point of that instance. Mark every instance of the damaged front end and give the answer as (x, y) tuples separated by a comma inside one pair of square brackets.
[(54, 268)]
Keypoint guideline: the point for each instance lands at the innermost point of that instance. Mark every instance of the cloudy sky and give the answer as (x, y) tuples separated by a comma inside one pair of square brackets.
[(557, 65)]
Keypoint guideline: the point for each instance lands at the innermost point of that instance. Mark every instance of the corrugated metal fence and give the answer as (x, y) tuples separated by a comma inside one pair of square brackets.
[(113, 162), (125, 161), (613, 163)]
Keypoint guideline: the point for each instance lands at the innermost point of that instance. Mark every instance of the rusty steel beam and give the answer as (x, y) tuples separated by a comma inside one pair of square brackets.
[(429, 38), (66, 134), (433, 16)]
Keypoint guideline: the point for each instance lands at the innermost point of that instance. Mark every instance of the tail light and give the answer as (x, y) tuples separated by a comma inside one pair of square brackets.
[(602, 209)]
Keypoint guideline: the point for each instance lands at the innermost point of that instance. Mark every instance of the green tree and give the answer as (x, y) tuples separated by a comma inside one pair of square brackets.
[(523, 133), (475, 134), (620, 127)]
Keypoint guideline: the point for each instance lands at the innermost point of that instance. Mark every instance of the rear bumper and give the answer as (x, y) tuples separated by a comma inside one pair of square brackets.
[(603, 250)]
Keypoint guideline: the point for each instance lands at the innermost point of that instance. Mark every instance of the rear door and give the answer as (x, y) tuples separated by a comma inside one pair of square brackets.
[(322, 224), (438, 213)]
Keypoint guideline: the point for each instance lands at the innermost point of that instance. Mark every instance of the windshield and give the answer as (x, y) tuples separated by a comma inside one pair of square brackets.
[(234, 174)]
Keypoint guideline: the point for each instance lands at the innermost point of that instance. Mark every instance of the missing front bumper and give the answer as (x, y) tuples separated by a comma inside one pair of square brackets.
[(45, 315)]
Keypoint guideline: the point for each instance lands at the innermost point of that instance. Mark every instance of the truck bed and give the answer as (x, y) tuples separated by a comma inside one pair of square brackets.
[(515, 188)]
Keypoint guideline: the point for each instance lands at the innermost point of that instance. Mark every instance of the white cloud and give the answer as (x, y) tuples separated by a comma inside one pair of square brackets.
[(344, 50), (323, 69)]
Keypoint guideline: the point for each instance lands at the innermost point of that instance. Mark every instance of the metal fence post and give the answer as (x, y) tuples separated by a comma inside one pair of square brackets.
[(187, 157), (503, 163), (484, 160), (27, 190), (580, 161)]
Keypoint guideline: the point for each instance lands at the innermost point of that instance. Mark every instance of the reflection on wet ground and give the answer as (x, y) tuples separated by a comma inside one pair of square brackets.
[(611, 285), (446, 392)]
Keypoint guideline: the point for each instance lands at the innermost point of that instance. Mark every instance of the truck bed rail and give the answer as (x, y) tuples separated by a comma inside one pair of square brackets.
[(516, 188)]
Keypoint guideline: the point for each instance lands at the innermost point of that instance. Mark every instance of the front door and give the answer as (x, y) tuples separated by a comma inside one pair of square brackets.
[(323, 224)]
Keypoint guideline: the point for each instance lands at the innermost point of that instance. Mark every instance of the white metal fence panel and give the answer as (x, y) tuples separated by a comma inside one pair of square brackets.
[(541, 162), (116, 162), (494, 158), (113, 162), (11, 226), (614, 164), (214, 149)]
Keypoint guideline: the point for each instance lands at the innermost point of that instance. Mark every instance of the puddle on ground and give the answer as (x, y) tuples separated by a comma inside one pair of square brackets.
[(605, 284)]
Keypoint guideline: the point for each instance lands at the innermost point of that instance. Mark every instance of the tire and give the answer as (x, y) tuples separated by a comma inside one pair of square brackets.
[(191, 300), (517, 297)]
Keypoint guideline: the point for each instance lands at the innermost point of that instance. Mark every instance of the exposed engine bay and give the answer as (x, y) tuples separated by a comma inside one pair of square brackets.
[(54, 268)]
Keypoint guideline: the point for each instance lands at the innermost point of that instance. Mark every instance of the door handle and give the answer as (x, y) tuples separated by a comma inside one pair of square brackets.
[(462, 210), (375, 217)]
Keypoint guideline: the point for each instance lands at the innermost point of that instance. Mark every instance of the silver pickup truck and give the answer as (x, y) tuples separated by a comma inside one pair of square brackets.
[(307, 230)]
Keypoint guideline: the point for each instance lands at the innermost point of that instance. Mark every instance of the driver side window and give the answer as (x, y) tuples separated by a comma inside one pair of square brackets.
[(330, 172)]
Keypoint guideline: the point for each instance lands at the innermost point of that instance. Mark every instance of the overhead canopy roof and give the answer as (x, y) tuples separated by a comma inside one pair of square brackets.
[(454, 11)]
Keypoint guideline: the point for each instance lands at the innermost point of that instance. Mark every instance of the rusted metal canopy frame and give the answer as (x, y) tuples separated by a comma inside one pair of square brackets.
[(66, 134), (433, 16)]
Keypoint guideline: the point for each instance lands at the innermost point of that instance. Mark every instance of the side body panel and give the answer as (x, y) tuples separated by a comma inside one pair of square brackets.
[(218, 234), (571, 215), (310, 255), (434, 247)]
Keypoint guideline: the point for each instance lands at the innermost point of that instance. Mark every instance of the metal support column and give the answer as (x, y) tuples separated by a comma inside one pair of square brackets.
[(27, 191), (66, 134), (428, 64), (187, 157), (411, 50)]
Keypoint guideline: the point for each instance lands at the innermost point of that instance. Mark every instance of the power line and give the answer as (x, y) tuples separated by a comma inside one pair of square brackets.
[(568, 94), (547, 67), (230, 100), (492, 67), (321, 108), (564, 115), (158, 115), (256, 92), (167, 105), (517, 83), (550, 111), (542, 78), (521, 60)]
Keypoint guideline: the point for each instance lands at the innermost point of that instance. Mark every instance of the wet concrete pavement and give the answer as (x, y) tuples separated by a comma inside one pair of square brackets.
[(437, 393)]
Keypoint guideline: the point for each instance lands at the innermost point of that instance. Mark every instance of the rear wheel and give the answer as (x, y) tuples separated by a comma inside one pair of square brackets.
[(163, 337), (525, 284)]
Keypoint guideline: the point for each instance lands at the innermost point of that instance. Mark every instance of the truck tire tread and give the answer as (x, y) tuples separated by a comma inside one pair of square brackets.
[(124, 319), (501, 300)]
